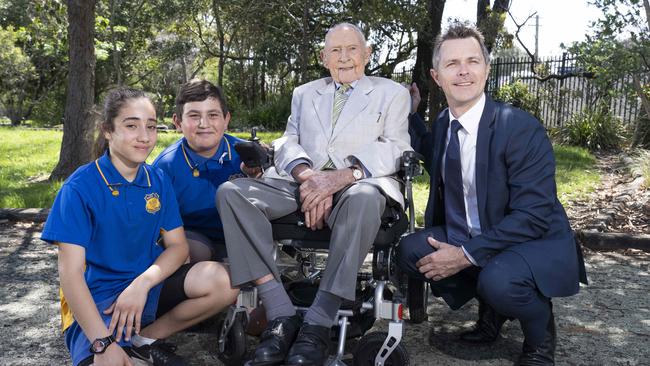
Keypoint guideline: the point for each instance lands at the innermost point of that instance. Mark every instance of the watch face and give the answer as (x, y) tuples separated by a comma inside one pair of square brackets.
[(98, 346), (356, 173)]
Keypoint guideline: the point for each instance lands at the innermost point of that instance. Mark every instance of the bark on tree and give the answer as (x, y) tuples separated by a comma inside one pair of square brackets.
[(79, 123), (490, 22), (432, 96)]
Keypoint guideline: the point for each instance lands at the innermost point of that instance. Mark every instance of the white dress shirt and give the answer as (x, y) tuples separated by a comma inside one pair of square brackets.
[(467, 136)]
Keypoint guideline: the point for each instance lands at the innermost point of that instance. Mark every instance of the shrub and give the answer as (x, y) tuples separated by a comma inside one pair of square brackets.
[(518, 94), (645, 170), (593, 129), (272, 115), (642, 131)]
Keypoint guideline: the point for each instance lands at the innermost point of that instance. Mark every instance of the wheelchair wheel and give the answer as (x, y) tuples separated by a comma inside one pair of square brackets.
[(370, 344), (417, 300), (235, 348)]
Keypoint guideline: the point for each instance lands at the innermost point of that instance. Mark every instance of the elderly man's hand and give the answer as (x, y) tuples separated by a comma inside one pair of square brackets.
[(316, 218), (322, 184), (446, 261)]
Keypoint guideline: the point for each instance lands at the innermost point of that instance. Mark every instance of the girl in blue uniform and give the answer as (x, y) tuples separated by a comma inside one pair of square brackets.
[(122, 292)]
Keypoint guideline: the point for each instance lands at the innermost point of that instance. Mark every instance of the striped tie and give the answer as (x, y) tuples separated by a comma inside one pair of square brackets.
[(340, 97)]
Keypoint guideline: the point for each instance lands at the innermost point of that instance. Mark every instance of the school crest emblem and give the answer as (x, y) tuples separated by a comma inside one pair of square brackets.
[(152, 202)]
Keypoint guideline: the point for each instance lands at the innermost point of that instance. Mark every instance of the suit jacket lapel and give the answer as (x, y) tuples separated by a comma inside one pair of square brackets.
[(484, 138), (357, 102), (323, 106)]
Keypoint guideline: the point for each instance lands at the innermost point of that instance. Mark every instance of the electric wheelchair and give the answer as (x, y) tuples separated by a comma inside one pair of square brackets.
[(382, 292)]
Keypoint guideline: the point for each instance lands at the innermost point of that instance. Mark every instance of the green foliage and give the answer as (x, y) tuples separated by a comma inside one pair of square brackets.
[(41, 29), (272, 115), (642, 133), (16, 74), (518, 94), (618, 47), (592, 129)]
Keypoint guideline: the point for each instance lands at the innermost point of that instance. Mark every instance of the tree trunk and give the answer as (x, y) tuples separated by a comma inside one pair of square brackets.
[(431, 94), (79, 123), (117, 68), (490, 22), (304, 45), (222, 40)]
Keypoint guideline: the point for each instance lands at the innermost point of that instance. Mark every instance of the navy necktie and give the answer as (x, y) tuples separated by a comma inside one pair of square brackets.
[(455, 218)]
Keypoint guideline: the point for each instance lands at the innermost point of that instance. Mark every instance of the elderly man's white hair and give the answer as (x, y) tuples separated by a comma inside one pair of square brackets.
[(362, 38)]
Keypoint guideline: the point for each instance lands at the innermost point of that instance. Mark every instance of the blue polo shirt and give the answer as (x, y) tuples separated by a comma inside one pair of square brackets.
[(196, 179), (118, 223)]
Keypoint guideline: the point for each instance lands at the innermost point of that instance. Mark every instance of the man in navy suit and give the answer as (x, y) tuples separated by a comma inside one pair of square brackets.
[(495, 229)]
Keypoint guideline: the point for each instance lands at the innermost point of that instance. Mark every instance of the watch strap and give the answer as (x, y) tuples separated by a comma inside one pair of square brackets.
[(101, 342)]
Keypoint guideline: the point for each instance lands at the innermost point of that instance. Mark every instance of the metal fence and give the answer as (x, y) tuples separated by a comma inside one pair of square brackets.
[(558, 99)]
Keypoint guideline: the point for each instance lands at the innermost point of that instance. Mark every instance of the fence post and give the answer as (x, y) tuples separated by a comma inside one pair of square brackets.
[(497, 73), (560, 100)]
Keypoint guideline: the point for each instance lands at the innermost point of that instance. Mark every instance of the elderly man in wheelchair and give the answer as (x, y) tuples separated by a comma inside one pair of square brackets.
[(262, 215), (336, 163)]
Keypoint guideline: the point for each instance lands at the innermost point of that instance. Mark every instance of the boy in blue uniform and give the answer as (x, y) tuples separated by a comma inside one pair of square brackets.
[(122, 292), (199, 162)]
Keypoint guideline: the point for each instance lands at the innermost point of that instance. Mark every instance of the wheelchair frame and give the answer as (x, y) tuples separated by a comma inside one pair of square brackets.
[(232, 339)]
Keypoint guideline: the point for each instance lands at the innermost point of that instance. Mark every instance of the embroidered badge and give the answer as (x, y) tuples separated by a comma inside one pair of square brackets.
[(153, 203)]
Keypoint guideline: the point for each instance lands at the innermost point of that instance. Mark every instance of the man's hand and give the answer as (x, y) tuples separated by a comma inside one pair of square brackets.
[(250, 172), (322, 184), (127, 310), (316, 218), (114, 355), (415, 96), (446, 261)]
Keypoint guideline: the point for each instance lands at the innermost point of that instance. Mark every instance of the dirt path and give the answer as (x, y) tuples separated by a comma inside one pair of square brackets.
[(608, 323)]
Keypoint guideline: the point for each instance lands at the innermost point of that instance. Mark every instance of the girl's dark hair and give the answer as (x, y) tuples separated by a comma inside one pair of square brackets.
[(113, 103)]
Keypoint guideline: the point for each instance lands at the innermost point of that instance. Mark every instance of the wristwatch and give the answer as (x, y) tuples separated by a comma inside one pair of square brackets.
[(356, 173), (99, 345)]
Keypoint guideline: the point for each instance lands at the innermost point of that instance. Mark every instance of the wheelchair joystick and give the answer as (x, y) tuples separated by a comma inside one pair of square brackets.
[(253, 153)]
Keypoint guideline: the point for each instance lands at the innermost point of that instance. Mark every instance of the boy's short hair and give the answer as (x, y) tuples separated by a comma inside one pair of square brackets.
[(197, 91)]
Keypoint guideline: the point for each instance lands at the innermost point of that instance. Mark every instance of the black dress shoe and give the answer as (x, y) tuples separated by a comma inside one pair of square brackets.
[(311, 346), (275, 341), (543, 354), (487, 327)]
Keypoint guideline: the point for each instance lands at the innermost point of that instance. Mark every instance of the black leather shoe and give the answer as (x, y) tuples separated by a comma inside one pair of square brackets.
[(487, 327), (311, 346), (275, 341), (543, 354)]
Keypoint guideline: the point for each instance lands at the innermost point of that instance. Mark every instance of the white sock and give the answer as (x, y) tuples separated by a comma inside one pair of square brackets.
[(139, 341)]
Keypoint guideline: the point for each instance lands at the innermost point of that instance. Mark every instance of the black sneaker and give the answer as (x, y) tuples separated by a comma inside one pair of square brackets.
[(159, 353)]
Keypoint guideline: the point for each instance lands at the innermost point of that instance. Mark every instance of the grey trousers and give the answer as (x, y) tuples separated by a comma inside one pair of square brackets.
[(246, 207)]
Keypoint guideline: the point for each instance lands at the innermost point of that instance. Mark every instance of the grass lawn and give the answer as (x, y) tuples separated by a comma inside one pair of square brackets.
[(28, 156)]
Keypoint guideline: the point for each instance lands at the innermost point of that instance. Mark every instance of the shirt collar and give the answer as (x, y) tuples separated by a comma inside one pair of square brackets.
[(223, 153), (353, 84), (470, 119), (113, 178)]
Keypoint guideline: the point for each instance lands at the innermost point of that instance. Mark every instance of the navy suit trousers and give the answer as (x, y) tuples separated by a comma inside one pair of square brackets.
[(506, 283)]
